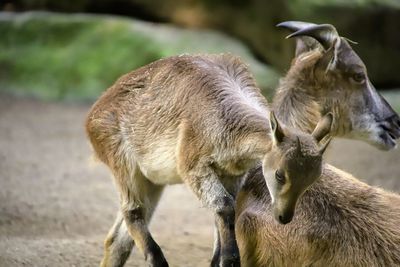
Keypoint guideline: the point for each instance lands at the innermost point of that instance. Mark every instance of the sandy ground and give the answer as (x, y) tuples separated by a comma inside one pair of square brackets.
[(56, 206)]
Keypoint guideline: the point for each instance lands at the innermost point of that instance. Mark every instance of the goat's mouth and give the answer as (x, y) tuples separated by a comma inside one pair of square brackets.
[(388, 137), (388, 141)]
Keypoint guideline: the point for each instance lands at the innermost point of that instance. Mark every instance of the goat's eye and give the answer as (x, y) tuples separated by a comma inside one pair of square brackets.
[(358, 77), (280, 177)]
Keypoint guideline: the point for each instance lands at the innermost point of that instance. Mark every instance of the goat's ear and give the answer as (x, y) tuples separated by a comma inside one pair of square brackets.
[(323, 146), (323, 127), (305, 44), (329, 59), (276, 129)]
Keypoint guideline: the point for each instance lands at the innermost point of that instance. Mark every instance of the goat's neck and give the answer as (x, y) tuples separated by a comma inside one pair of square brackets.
[(296, 108)]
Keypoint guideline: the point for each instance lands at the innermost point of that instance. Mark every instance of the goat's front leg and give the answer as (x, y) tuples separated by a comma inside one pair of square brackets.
[(232, 185), (209, 189), (196, 170)]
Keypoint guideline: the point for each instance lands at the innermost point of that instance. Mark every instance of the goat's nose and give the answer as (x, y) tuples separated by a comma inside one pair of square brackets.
[(284, 219), (397, 122), (395, 126)]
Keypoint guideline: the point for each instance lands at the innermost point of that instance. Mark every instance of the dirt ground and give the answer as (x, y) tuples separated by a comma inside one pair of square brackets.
[(56, 205)]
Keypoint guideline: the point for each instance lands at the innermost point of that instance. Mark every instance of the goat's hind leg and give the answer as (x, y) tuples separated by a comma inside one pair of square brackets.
[(137, 216), (118, 244), (139, 198)]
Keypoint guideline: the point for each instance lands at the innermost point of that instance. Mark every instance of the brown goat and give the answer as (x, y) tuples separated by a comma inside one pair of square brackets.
[(200, 120), (339, 221)]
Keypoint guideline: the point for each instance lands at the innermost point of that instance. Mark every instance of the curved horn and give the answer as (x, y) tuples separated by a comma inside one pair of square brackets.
[(294, 26), (302, 44), (323, 33)]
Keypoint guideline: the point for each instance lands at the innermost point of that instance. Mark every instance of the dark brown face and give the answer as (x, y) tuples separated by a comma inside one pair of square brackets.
[(293, 164), (364, 113), (289, 178)]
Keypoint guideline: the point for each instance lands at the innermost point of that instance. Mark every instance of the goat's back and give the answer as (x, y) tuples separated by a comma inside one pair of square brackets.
[(339, 221), (140, 115)]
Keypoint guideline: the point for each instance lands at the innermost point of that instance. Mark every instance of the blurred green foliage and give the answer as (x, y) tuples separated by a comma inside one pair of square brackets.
[(55, 56), (66, 57), (393, 97)]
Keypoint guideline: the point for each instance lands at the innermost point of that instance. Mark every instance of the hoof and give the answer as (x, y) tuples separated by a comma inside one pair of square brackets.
[(159, 263), (215, 262), (216, 259), (231, 261), (157, 260)]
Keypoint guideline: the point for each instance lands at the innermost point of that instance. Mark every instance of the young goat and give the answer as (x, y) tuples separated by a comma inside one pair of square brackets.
[(339, 221), (200, 120)]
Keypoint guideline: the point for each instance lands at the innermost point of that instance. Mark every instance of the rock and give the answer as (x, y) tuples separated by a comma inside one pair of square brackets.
[(59, 56)]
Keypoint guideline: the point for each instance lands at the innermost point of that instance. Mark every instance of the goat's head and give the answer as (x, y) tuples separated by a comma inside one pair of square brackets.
[(341, 85), (293, 164)]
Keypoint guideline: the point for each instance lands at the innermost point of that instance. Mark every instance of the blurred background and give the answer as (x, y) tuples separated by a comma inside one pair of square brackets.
[(57, 57), (66, 55)]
